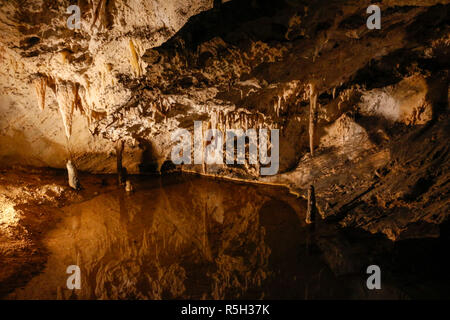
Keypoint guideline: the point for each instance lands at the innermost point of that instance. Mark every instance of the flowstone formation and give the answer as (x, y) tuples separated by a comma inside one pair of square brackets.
[(362, 114)]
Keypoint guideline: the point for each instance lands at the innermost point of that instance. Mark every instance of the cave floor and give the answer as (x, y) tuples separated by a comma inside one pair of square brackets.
[(190, 237)]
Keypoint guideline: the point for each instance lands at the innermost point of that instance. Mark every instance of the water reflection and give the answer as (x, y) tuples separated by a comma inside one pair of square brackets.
[(185, 238)]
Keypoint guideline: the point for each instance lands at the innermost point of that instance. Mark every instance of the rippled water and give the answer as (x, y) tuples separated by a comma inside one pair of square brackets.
[(183, 238)]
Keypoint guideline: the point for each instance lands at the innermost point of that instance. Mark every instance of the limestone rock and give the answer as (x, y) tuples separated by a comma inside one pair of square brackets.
[(404, 102)]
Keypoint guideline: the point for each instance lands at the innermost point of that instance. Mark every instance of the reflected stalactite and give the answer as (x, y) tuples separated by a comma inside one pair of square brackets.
[(152, 244), (312, 116)]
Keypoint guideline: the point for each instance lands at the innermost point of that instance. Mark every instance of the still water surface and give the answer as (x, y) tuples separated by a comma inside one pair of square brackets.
[(192, 238)]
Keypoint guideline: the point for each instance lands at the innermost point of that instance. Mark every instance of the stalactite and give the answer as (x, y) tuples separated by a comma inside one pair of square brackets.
[(134, 59), (223, 121), (241, 119), (254, 120), (232, 120), (98, 13), (311, 211), (82, 92), (218, 121), (334, 92), (121, 176), (279, 106), (312, 116), (63, 55), (66, 96), (220, 117), (205, 127), (78, 104), (214, 120), (41, 88), (88, 101), (260, 121)]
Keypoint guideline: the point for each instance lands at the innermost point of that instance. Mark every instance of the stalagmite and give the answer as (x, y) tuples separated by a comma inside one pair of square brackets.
[(129, 186), (312, 116), (66, 96), (312, 209), (41, 87), (74, 183), (121, 171)]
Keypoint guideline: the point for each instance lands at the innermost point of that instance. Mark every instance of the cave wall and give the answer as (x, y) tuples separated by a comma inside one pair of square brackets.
[(141, 69), (37, 46)]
